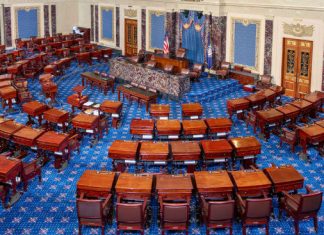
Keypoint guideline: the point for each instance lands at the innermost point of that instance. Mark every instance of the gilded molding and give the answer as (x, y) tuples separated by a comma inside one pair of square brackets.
[(16, 9), (157, 13), (247, 22), (130, 13), (298, 30), (106, 8)]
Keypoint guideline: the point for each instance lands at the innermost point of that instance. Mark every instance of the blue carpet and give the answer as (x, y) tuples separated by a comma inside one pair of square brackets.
[(49, 207)]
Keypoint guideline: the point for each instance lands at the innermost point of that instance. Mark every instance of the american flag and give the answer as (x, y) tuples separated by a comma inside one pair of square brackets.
[(166, 44)]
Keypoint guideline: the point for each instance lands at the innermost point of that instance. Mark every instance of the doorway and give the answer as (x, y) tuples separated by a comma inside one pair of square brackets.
[(297, 67), (130, 37)]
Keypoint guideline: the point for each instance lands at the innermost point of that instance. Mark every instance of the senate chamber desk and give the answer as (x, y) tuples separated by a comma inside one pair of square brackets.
[(312, 134), (192, 110), (216, 151), (304, 106), (134, 186), (34, 109), (123, 152), (237, 106), (185, 153), (56, 116), (173, 85), (219, 127), (173, 187), (257, 100), (156, 152), (143, 128), (251, 182), (194, 128), (290, 112), (161, 111), (245, 149), (96, 183), (27, 136), (10, 168), (213, 183), (170, 129), (267, 119), (8, 128), (87, 122), (56, 143), (113, 108), (317, 99), (284, 178)]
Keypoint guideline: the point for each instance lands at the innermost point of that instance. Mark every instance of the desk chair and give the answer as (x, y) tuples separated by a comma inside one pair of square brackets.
[(175, 216)]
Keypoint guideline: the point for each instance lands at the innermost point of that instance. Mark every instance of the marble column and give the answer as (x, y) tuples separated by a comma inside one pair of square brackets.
[(53, 18), (96, 23), (218, 38), (323, 74), (268, 46), (143, 29), (7, 26), (92, 23), (117, 26), (46, 20)]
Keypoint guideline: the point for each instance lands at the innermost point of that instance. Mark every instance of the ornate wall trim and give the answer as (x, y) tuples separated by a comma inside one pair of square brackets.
[(130, 13), (298, 30)]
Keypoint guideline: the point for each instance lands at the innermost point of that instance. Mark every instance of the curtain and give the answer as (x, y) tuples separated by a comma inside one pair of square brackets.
[(193, 29)]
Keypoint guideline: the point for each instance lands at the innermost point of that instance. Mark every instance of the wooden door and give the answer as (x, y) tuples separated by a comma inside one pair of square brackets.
[(297, 67), (130, 37)]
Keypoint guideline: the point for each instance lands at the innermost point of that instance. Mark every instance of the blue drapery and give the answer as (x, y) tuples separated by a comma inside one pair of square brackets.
[(107, 23), (157, 30), (27, 23), (192, 37)]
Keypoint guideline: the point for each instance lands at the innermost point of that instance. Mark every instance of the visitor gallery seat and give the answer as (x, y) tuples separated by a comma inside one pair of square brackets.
[(302, 206)]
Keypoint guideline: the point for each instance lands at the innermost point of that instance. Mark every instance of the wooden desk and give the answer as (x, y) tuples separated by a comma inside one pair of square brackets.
[(267, 119), (114, 108), (192, 110), (135, 186), (284, 178), (5, 84), (243, 77), (142, 128), (313, 134), (178, 64), (157, 152), (245, 148), (8, 128), (57, 143), (123, 152), (269, 94), (87, 122), (194, 128), (289, 111), (304, 106), (168, 128), (27, 136), (7, 94), (57, 116), (219, 127), (320, 123), (251, 183), (173, 187), (257, 101), (137, 93), (213, 184), (96, 183), (76, 100), (237, 106), (161, 111), (317, 99), (34, 109), (83, 57), (216, 151), (99, 81), (187, 153), (10, 168)]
